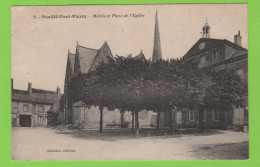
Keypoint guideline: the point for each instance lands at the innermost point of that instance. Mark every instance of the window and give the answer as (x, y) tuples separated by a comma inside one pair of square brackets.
[(191, 115), (178, 117), (205, 115), (40, 109), (25, 108), (216, 115), (14, 107), (203, 59), (215, 54), (240, 72)]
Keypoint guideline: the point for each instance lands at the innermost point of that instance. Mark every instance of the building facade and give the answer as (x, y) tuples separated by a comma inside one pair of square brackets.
[(84, 60), (30, 107), (218, 54)]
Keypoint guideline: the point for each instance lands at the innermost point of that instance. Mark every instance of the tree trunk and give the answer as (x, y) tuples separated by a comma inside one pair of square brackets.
[(136, 124), (201, 117), (171, 120), (223, 119), (133, 120), (101, 120), (158, 120), (122, 117), (174, 123)]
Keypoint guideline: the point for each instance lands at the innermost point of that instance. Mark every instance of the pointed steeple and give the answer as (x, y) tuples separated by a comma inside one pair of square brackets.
[(157, 53)]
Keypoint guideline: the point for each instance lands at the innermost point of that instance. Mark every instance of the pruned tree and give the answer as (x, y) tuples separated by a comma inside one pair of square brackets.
[(133, 85), (227, 90)]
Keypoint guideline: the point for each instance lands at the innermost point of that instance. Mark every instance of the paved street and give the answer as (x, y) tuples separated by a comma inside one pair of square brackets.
[(39, 143)]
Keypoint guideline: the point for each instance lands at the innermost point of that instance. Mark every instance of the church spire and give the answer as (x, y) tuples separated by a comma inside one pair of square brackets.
[(157, 53)]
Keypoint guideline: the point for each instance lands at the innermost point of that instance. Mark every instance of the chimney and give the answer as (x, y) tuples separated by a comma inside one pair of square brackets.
[(237, 39), (29, 88), (12, 83), (58, 90)]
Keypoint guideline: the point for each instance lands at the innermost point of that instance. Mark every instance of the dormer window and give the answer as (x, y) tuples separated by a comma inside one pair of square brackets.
[(240, 72), (215, 54), (203, 59)]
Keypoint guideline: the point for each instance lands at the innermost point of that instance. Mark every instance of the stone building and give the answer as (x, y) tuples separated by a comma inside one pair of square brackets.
[(84, 60), (218, 54), (87, 59), (30, 107)]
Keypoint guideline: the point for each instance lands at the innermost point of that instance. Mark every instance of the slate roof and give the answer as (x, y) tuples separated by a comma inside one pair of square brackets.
[(237, 53), (30, 99), (140, 56), (210, 43), (37, 96), (86, 57), (41, 91), (101, 55), (84, 60)]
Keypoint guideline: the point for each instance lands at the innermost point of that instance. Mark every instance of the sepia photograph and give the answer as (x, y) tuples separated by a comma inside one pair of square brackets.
[(129, 82)]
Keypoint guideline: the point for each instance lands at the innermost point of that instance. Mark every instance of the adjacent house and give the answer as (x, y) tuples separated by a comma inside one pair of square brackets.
[(30, 107)]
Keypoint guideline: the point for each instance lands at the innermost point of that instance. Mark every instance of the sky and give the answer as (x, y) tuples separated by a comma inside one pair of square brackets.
[(40, 45)]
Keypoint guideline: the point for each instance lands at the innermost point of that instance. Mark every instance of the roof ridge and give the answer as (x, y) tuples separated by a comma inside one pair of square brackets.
[(88, 48), (43, 89), (19, 91), (231, 43), (213, 39)]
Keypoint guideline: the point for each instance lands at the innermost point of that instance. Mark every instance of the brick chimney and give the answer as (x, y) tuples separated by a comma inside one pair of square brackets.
[(29, 88), (58, 90), (237, 39)]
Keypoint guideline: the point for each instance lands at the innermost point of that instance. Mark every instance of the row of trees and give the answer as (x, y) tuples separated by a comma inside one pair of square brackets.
[(133, 85)]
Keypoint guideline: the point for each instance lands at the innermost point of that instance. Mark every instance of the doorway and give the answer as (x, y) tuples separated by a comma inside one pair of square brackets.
[(178, 118), (25, 120), (238, 116)]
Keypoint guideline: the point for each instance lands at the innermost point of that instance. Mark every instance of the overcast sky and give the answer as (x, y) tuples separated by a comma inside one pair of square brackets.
[(40, 46)]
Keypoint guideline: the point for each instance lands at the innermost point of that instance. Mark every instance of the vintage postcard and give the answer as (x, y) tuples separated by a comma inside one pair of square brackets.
[(129, 82)]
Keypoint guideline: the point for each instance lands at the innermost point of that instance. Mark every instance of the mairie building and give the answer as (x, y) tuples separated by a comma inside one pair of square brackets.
[(218, 54)]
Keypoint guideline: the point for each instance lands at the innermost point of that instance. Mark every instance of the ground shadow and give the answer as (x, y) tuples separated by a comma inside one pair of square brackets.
[(128, 134), (222, 151)]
